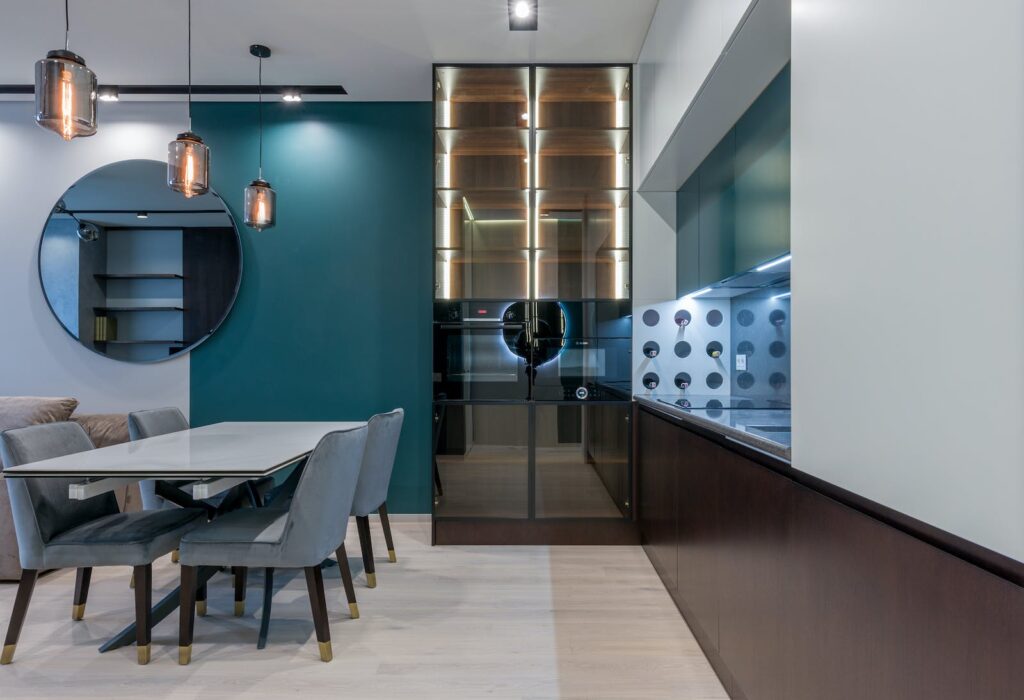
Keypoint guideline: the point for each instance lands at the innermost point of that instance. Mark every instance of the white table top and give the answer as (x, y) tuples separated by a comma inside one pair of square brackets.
[(223, 449)]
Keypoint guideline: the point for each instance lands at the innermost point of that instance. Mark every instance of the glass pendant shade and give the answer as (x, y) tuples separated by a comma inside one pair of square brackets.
[(65, 95), (188, 165), (260, 205)]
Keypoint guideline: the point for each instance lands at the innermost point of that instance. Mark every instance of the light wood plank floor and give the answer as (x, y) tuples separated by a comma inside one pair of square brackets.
[(443, 622)]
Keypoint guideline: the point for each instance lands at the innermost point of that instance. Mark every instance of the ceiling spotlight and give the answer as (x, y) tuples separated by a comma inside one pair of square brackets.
[(142, 215), (292, 96), (108, 93), (522, 15)]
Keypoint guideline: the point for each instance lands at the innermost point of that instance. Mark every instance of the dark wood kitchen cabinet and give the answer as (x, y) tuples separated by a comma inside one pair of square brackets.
[(797, 590)]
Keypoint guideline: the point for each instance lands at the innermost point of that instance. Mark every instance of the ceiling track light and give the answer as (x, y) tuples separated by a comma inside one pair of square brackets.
[(260, 198), (522, 15), (188, 158), (65, 91), (291, 96), (108, 93)]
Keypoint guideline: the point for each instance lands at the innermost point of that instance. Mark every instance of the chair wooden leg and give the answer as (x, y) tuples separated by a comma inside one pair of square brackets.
[(201, 600), (346, 580), (21, 601), (268, 595), (143, 608), (318, 603), (240, 580), (82, 579), (386, 524), (363, 525), (187, 614)]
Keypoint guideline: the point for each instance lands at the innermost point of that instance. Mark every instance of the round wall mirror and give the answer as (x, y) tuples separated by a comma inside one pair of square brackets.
[(134, 271)]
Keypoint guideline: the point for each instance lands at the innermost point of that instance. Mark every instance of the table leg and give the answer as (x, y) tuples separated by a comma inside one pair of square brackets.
[(168, 604)]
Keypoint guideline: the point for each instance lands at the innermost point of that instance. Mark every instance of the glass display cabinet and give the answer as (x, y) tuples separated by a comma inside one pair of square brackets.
[(532, 309)]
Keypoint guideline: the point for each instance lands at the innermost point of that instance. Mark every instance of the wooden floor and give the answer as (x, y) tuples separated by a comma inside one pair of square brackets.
[(443, 622)]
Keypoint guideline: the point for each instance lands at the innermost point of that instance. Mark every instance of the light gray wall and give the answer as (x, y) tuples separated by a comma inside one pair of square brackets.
[(908, 257), (37, 357)]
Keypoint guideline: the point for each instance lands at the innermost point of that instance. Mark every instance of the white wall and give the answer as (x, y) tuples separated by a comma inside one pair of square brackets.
[(37, 357), (908, 257)]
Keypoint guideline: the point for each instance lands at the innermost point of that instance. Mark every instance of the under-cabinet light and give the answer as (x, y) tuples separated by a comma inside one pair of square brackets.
[(773, 263)]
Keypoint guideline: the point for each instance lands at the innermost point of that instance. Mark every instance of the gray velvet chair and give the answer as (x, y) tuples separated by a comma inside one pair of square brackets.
[(55, 532), (371, 495), (300, 535), (146, 424)]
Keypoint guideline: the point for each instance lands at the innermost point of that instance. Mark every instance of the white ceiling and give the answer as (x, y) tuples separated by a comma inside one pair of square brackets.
[(377, 49)]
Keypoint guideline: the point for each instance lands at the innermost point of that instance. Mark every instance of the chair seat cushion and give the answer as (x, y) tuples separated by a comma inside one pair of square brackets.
[(122, 538), (245, 537)]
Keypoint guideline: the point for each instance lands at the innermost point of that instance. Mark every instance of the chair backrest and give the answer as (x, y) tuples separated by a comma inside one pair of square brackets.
[(147, 424), (318, 513), (157, 421), (41, 507), (384, 430)]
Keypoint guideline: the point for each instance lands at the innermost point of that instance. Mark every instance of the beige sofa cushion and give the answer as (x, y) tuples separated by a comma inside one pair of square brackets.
[(23, 411), (104, 429)]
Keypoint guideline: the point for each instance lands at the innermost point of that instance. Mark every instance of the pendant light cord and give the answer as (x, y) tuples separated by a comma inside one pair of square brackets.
[(67, 24), (190, 65), (260, 92)]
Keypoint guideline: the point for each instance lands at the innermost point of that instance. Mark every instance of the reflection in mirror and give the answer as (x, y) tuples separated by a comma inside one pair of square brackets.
[(133, 270)]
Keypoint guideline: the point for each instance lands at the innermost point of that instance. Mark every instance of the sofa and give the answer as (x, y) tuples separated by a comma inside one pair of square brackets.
[(22, 411)]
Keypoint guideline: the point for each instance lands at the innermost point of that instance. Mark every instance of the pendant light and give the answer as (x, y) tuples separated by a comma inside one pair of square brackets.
[(65, 91), (260, 199), (188, 158)]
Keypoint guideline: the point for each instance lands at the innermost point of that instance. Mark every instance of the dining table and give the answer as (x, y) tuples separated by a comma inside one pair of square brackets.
[(210, 460)]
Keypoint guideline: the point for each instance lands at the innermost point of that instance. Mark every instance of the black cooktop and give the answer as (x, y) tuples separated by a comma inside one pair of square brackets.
[(702, 402)]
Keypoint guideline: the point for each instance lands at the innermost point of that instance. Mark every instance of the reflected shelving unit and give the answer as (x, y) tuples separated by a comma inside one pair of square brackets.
[(532, 318)]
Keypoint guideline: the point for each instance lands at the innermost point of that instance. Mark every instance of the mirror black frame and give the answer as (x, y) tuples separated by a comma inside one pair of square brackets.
[(185, 349)]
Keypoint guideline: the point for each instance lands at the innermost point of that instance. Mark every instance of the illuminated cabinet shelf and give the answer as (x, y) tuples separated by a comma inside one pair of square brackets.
[(532, 182)]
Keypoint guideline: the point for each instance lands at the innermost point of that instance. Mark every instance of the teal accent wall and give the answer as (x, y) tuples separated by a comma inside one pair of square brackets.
[(332, 320), (732, 214)]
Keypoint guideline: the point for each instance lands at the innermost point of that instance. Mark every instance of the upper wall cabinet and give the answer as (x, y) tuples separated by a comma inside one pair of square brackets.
[(733, 212), (532, 182)]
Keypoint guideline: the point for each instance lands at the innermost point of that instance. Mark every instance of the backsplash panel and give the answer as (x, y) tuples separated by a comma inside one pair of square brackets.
[(674, 341)]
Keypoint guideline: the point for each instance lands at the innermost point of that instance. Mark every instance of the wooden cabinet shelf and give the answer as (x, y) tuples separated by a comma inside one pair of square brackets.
[(139, 276), (124, 309)]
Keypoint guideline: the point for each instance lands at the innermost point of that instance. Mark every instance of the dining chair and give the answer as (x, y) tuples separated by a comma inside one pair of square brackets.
[(383, 431), (300, 535), (56, 532)]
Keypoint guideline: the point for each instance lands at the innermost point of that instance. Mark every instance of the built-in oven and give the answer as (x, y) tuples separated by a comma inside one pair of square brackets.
[(475, 356), (591, 359)]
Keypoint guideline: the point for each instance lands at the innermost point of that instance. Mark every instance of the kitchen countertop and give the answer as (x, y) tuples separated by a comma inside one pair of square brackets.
[(766, 429)]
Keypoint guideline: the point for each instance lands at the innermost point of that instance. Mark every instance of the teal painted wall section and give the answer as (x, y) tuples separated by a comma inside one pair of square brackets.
[(333, 316), (733, 213)]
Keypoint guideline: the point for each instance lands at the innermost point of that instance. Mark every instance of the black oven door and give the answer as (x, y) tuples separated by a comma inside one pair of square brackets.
[(585, 369), (474, 358)]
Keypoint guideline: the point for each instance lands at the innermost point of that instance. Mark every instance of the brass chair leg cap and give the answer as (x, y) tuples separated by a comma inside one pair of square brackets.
[(201, 608), (185, 655), (353, 610), (8, 654), (239, 608), (371, 580), (175, 557), (78, 612), (326, 653), (143, 655), (392, 557)]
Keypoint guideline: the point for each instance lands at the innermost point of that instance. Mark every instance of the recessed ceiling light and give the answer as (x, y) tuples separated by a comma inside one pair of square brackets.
[(292, 96), (522, 15), (142, 215), (108, 93)]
